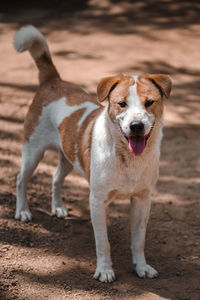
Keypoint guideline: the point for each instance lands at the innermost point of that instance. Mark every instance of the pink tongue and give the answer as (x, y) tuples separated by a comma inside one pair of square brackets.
[(136, 144)]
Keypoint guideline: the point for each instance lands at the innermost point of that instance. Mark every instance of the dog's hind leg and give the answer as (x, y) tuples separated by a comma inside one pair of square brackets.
[(64, 167), (30, 159)]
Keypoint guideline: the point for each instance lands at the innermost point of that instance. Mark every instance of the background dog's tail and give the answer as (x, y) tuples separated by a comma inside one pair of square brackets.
[(31, 39)]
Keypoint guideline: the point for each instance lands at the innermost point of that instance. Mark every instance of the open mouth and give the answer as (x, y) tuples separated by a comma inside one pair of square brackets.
[(137, 143)]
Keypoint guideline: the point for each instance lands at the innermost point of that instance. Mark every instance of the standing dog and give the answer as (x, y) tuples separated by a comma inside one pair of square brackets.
[(116, 146)]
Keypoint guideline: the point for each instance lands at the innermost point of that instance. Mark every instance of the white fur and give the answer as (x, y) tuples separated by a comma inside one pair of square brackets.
[(29, 38), (58, 110), (135, 112), (89, 108)]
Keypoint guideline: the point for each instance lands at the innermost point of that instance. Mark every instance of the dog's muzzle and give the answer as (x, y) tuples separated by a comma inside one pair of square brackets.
[(137, 140)]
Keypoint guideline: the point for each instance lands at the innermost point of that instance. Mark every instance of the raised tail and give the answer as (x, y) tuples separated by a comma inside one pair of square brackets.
[(31, 39)]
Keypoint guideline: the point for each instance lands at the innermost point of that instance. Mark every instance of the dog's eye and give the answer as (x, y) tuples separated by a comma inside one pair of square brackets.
[(149, 103), (122, 104)]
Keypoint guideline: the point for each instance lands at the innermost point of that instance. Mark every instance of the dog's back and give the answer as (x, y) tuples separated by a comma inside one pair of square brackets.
[(59, 109)]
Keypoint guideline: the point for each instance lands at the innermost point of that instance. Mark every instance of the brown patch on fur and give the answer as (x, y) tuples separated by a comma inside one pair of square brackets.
[(123, 159), (119, 94), (69, 134), (162, 82), (32, 118), (47, 70), (85, 140), (106, 85), (49, 91), (76, 95), (153, 87), (142, 194), (112, 194), (148, 91), (122, 152)]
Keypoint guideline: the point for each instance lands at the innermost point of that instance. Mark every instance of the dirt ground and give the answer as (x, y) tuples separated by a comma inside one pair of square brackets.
[(52, 258)]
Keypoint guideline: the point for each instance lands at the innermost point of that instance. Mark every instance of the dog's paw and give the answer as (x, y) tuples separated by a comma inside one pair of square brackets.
[(60, 211), (146, 271), (23, 215), (104, 274)]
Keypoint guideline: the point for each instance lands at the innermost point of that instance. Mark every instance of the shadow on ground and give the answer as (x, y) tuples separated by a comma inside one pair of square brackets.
[(86, 16)]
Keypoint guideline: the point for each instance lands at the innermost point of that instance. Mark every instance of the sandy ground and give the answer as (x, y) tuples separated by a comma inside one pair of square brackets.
[(50, 258)]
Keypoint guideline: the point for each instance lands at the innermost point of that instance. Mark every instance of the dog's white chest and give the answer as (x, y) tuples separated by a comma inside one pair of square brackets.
[(122, 181), (129, 178)]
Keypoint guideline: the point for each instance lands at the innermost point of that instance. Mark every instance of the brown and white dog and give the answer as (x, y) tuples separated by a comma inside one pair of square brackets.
[(116, 146)]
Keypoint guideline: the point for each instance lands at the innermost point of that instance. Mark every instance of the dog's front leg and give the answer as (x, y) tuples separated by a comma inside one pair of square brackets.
[(140, 209), (104, 271)]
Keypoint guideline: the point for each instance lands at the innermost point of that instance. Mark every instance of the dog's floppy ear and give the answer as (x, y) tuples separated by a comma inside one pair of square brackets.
[(162, 82), (106, 85)]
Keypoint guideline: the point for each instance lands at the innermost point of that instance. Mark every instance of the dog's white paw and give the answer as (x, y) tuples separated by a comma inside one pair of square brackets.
[(23, 215), (60, 211), (104, 274), (146, 271)]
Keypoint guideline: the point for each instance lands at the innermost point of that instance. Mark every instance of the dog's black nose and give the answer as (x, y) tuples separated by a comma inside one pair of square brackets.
[(137, 128)]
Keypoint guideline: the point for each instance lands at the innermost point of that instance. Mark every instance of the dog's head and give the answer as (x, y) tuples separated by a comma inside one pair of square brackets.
[(135, 104)]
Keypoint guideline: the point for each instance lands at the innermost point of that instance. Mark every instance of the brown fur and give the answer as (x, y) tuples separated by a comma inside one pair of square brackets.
[(162, 82), (85, 141), (77, 96), (106, 85), (49, 91), (148, 91), (123, 152), (47, 70), (119, 94), (69, 128)]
